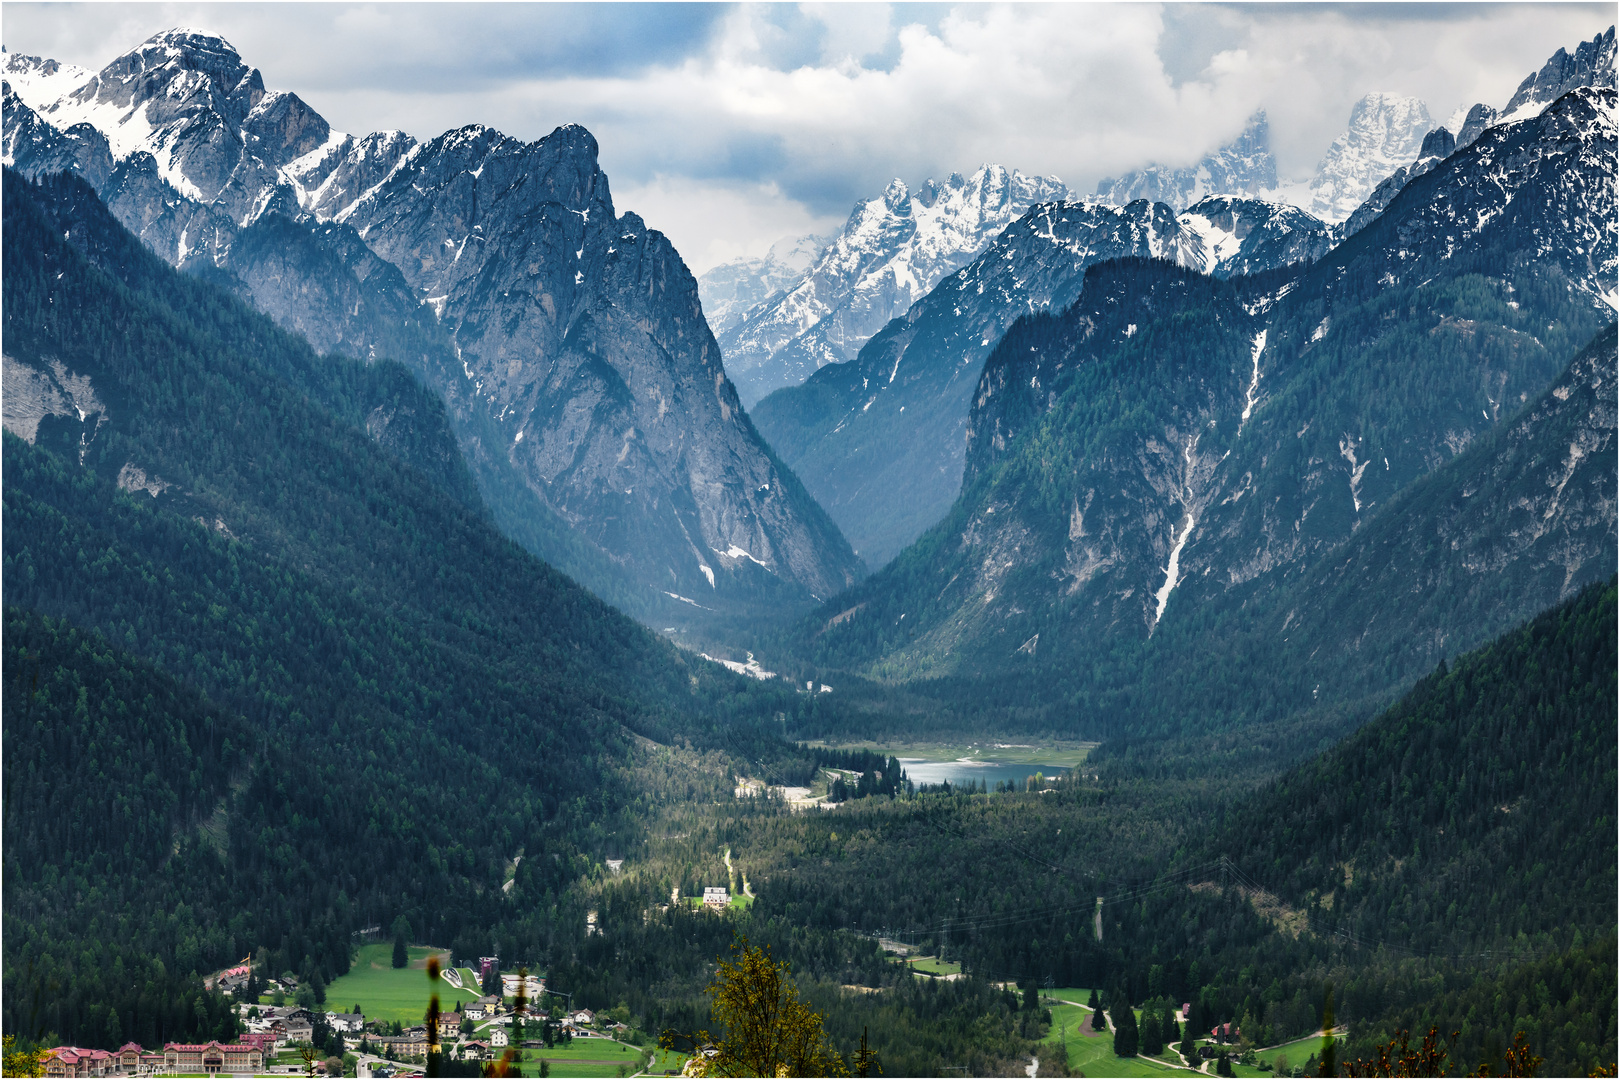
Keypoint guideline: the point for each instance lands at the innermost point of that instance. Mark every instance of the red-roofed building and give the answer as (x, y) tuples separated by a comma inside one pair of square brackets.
[(264, 1040), (74, 1061), (213, 1057)]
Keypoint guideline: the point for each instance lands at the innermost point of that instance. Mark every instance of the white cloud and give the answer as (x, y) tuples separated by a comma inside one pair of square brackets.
[(714, 222), (763, 121)]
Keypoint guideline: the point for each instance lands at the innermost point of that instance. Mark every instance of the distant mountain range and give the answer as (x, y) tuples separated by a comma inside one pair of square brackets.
[(884, 455), (893, 249), (568, 340)]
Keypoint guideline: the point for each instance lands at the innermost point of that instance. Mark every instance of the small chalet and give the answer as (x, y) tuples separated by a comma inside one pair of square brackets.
[(475, 1050), (583, 1016), (497, 1037)]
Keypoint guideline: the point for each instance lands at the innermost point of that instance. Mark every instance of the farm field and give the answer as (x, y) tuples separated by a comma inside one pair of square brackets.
[(385, 992)]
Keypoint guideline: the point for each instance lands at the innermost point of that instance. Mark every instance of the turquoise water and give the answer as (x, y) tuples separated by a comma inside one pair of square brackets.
[(988, 772)]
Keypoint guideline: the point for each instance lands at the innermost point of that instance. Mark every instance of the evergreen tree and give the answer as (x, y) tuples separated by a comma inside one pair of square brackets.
[(1152, 1033), (402, 932), (1189, 1045), (1126, 1036)]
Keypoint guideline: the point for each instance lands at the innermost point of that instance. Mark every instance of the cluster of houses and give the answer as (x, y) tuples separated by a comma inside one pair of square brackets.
[(246, 1055), (270, 1026)]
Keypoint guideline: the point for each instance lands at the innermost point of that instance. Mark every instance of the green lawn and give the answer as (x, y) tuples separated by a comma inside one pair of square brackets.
[(1093, 1055), (933, 965), (1297, 1051), (585, 1057), (385, 992), (666, 1061)]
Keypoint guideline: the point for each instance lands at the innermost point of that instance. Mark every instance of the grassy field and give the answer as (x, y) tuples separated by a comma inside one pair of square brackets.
[(385, 992), (586, 1057), (1093, 1055), (933, 965)]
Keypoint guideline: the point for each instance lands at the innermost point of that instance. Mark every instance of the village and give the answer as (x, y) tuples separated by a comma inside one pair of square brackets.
[(529, 1028), (284, 1035)]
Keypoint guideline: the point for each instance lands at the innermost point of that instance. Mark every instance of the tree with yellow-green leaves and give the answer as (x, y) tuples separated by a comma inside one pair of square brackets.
[(768, 1030), (18, 1062)]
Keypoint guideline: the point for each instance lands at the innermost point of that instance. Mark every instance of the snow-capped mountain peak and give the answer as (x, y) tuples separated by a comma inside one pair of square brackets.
[(1243, 166), (893, 249), (1386, 132)]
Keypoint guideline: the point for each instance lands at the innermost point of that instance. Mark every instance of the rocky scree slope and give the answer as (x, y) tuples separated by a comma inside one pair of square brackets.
[(1168, 440), (891, 252), (568, 341)]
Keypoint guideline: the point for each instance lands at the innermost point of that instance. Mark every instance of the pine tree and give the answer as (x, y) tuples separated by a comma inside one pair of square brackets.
[(1126, 1035), (1152, 1033), (402, 931)]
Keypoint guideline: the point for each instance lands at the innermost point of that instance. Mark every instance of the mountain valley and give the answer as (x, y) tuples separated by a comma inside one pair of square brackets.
[(405, 546)]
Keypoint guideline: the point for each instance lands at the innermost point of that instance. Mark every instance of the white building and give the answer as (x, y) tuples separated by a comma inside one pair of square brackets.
[(716, 898)]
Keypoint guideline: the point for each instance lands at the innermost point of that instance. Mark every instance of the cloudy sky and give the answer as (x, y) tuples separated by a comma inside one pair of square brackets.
[(729, 127)]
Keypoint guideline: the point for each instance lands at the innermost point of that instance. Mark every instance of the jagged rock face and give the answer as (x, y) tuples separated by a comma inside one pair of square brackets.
[(566, 318), (892, 251), (1437, 146), (1248, 236), (1386, 131), (1592, 65), (1480, 117), (729, 291), (880, 441), (1242, 167), (1171, 443), (574, 356), (1532, 505)]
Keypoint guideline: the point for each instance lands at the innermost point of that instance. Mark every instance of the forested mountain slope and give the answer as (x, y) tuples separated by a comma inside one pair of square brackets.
[(565, 337), (1163, 451), (378, 678), (1479, 808), (1475, 820)]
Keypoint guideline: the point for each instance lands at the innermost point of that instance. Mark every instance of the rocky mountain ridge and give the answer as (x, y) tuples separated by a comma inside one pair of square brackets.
[(880, 441), (1242, 167), (567, 339), (1171, 445), (893, 249)]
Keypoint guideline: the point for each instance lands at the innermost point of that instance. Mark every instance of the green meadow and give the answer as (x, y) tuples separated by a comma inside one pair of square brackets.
[(1092, 1055), (385, 992)]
